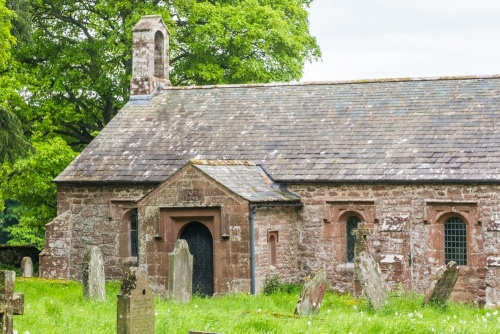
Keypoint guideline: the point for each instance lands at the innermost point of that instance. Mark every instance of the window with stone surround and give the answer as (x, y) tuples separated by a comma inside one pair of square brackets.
[(451, 224), (341, 216), (272, 240)]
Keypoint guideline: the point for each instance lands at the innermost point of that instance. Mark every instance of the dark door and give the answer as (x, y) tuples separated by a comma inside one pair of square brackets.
[(200, 244)]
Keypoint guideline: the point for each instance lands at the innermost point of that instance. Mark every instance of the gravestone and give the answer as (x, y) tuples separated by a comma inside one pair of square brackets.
[(93, 278), (360, 245), (136, 304), (312, 295), (367, 270), (26, 267), (180, 274), (10, 303), (443, 284)]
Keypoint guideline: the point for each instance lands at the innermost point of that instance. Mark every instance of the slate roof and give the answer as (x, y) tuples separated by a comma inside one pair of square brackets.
[(245, 179), (426, 130)]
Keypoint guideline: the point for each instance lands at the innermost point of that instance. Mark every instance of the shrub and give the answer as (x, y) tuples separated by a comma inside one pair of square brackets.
[(273, 284)]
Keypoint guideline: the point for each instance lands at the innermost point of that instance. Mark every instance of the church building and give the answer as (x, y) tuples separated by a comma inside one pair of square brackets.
[(271, 179)]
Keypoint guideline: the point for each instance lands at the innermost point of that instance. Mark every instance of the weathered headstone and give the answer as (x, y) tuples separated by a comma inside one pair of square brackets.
[(93, 278), (442, 285), (136, 304), (312, 295), (360, 245), (368, 271), (26, 267), (10, 303), (180, 274)]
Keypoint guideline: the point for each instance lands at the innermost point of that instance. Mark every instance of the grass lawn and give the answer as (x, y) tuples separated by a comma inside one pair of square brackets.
[(58, 307)]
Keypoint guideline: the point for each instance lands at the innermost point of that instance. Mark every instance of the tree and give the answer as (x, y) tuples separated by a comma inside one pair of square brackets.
[(13, 143), (71, 71), (82, 49), (6, 38), (28, 183)]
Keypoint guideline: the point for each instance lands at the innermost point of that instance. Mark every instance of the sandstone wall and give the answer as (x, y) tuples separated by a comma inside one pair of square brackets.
[(406, 237), (192, 196), (282, 222), (87, 216)]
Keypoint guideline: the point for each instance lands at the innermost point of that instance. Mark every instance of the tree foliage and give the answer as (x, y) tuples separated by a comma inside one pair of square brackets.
[(6, 38), (13, 143), (28, 182), (81, 52), (70, 71)]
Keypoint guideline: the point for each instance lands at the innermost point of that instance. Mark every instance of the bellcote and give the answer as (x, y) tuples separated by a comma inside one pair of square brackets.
[(150, 65)]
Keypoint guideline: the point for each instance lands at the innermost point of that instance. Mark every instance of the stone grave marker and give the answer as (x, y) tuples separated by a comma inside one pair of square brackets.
[(442, 285), (180, 274), (93, 278), (367, 270), (136, 304), (312, 295), (10, 303), (26, 267)]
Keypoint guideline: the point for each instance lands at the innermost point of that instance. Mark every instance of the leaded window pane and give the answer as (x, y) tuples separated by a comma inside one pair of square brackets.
[(455, 243), (351, 224), (134, 234)]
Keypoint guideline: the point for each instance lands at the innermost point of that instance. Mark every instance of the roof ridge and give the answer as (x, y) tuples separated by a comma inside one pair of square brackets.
[(339, 82), (222, 162)]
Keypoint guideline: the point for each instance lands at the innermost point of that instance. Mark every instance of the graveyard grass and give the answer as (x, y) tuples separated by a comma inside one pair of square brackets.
[(53, 306)]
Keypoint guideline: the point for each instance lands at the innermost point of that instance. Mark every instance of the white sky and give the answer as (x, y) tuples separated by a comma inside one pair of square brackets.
[(366, 39)]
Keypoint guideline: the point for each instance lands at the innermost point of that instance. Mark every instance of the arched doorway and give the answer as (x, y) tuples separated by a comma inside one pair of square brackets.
[(200, 244)]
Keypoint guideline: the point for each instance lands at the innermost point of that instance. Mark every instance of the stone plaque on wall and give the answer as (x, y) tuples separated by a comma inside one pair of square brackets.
[(191, 195)]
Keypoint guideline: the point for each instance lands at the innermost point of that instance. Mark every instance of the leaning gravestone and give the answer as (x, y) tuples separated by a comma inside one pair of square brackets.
[(180, 273), (312, 295), (26, 267), (368, 271), (443, 285), (93, 278), (136, 304), (10, 303)]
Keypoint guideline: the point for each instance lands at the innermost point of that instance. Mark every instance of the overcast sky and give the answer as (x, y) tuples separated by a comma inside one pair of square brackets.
[(366, 39)]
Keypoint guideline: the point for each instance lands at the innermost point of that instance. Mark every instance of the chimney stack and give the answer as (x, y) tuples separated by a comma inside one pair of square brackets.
[(150, 66)]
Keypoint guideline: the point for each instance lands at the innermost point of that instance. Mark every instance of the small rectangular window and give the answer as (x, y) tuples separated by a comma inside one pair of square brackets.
[(134, 234)]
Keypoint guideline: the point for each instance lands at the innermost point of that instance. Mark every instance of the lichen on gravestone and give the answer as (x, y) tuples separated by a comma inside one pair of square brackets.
[(367, 271), (26, 267), (180, 274), (312, 295), (135, 312), (442, 285), (93, 277), (371, 280), (10, 303)]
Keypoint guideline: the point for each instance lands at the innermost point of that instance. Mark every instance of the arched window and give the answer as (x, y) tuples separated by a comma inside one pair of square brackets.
[(159, 49), (350, 225), (134, 233), (272, 249), (455, 243)]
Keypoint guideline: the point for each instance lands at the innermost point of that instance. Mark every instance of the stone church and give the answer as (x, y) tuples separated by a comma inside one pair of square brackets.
[(272, 179)]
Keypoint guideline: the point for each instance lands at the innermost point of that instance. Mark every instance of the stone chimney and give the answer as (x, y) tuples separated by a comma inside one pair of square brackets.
[(150, 39)]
